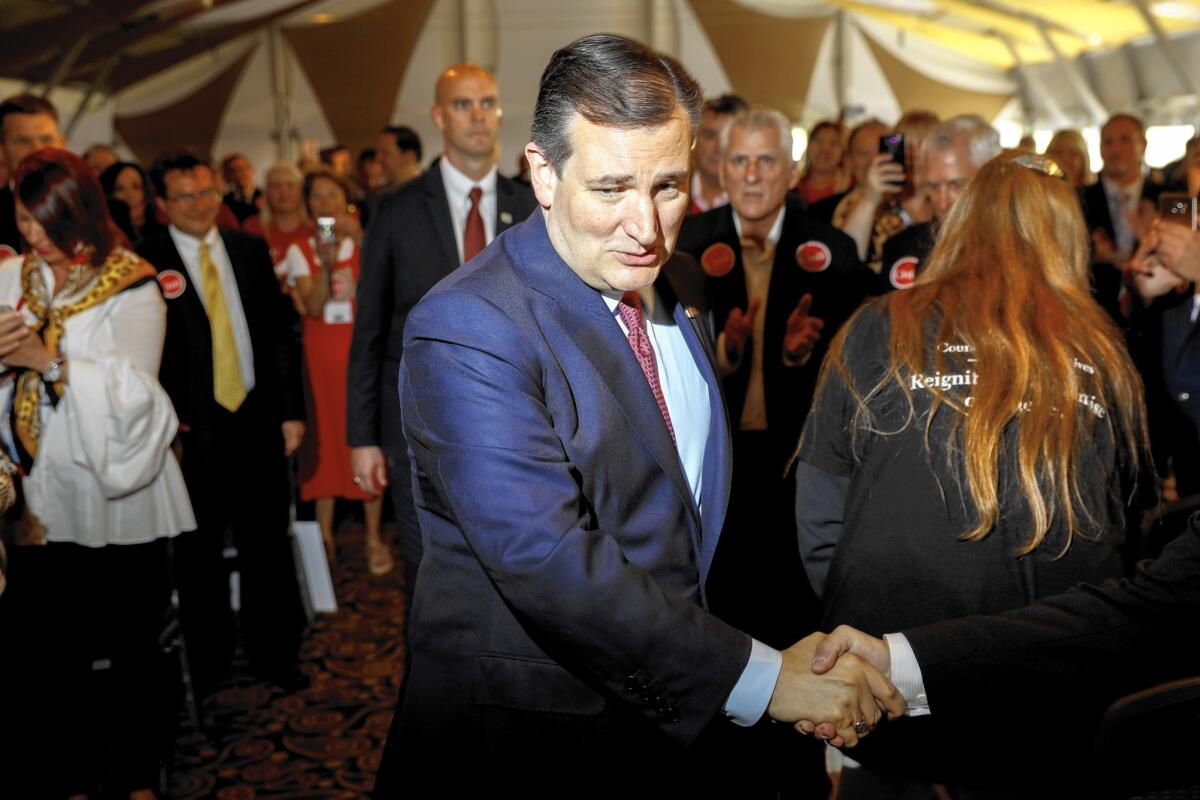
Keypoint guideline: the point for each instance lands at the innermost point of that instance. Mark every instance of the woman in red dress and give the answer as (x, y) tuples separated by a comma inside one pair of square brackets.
[(327, 299), (823, 173)]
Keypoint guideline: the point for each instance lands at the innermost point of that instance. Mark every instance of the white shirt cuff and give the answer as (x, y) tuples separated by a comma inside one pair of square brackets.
[(905, 674), (752, 693)]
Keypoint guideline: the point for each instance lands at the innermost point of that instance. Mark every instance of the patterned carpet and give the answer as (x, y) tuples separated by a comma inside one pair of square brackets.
[(324, 741)]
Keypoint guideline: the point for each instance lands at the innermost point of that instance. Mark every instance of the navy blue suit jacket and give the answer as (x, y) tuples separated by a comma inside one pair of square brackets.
[(565, 558)]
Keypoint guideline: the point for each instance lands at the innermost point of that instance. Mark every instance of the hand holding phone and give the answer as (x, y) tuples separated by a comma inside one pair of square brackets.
[(1177, 208)]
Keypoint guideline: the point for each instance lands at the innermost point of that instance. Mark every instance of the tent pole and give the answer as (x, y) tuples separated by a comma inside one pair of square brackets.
[(93, 87), (839, 61), (1024, 84), (63, 69), (281, 93), (1091, 102), (1189, 80)]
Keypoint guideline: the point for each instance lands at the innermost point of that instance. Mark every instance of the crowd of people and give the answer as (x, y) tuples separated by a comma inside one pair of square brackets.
[(909, 378)]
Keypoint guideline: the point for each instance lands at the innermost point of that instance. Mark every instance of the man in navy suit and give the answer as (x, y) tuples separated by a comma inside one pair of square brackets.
[(572, 469)]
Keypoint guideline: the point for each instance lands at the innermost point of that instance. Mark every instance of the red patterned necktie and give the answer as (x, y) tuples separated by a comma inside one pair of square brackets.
[(630, 309), (474, 239)]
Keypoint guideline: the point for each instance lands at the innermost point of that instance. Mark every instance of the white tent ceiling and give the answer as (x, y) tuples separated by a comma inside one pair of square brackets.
[(267, 80)]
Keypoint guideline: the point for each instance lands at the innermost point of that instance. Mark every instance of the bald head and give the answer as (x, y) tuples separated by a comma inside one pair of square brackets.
[(467, 111), (451, 76)]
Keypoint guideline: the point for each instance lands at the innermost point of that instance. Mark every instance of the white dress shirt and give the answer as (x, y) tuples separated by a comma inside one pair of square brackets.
[(687, 396), (458, 195), (104, 473), (1121, 200), (189, 252)]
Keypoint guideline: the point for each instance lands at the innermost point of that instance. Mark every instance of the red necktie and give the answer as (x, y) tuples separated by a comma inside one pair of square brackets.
[(474, 238), (630, 309)]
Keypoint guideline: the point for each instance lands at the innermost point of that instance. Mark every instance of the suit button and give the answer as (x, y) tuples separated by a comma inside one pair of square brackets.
[(673, 716), (1184, 397), (631, 686)]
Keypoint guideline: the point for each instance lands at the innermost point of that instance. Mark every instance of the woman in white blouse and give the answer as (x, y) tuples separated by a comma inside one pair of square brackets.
[(81, 332)]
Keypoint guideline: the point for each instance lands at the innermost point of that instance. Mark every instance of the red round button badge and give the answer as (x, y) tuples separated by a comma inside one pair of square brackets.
[(813, 256), (903, 273), (171, 283), (718, 259)]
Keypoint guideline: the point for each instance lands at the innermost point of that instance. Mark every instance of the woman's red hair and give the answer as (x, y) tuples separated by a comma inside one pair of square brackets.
[(61, 193)]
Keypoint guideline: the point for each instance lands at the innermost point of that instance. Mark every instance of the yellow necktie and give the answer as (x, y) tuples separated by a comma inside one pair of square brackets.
[(228, 388)]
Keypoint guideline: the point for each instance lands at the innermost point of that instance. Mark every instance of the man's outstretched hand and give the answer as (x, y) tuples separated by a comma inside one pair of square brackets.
[(844, 702)]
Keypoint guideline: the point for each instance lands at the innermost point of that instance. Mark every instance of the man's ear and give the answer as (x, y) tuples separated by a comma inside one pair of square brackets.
[(542, 175), (161, 205), (435, 114)]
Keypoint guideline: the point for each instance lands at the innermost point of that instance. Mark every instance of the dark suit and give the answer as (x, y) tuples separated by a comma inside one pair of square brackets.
[(560, 613), (10, 236), (1064, 658), (758, 582), (409, 247), (1107, 278), (235, 469), (1165, 344)]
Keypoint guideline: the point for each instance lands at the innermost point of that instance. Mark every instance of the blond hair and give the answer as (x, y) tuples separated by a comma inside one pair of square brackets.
[(1008, 277)]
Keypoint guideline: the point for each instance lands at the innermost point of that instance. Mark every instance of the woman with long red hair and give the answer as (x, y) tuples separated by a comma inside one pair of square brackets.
[(975, 442), (81, 333)]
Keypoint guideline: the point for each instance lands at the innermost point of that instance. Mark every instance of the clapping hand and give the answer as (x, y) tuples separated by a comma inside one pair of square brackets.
[(802, 330), (739, 327)]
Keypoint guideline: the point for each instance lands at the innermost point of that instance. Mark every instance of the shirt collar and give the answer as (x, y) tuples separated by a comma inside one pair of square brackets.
[(772, 235), (186, 243), (1114, 191), (458, 185), (649, 301)]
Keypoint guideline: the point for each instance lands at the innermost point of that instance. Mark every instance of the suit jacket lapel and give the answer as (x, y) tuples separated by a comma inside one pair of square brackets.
[(169, 259), (439, 211), (589, 326), (717, 471), (506, 205)]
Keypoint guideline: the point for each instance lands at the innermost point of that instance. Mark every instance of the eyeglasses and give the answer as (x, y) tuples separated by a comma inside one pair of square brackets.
[(190, 197), (1046, 166)]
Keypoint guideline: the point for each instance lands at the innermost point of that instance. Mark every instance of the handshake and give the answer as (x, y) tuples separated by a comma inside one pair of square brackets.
[(836, 686)]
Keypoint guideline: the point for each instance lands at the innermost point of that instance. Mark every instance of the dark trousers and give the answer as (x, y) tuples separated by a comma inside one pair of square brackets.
[(90, 696), (241, 487)]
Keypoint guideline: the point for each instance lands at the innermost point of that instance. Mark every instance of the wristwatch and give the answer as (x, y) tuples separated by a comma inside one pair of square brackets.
[(53, 372)]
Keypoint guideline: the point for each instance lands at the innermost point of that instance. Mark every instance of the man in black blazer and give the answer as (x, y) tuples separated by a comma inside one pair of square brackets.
[(231, 366), (1113, 205), (1026, 688), (422, 232), (776, 277)]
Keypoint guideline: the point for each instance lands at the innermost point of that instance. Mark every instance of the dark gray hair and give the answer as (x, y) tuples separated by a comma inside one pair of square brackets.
[(609, 80)]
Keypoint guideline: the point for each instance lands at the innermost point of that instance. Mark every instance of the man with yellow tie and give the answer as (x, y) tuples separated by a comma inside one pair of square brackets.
[(231, 364)]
